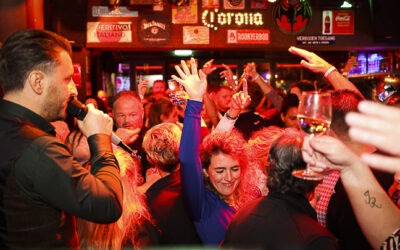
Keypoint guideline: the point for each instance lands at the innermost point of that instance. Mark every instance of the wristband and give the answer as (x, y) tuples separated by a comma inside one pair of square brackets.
[(329, 71), (229, 117)]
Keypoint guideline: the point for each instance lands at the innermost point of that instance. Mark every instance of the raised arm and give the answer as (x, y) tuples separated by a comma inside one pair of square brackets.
[(195, 84), (209, 104), (228, 76), (251, 72), (318, 65), (240, 101), (376, 214)]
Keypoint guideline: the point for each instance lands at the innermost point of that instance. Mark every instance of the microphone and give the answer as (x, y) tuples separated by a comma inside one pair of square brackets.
[(78, 110)]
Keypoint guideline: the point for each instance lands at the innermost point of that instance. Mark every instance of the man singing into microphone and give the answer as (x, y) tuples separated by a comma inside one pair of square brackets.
[(42, 187)]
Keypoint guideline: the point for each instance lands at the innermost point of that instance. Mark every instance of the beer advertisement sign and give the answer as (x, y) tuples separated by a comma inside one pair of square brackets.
[(109, 32), (338, 22), (248, 37)]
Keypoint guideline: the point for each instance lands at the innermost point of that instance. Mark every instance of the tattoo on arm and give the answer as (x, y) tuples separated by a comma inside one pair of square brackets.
[(371, 201)]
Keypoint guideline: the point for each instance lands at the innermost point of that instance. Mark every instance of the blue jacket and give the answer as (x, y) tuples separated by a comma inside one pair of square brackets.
[(210, 214)]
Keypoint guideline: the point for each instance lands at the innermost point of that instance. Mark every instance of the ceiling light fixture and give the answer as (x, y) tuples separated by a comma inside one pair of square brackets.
[(346, 5), (183, 52)]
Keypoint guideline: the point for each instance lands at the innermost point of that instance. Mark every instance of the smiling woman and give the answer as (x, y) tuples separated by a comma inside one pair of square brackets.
[(212, 177)]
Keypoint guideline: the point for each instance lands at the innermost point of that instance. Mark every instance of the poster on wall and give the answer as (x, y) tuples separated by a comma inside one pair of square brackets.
[(292, 17), (248, 37), (210, 4), (234, 4), (196, 35), (258, 4), (338, 22), (185, 14), (109, 32), (154, 30)]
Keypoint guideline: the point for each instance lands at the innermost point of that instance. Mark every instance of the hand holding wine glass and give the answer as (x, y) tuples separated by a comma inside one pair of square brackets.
[(314, 118)]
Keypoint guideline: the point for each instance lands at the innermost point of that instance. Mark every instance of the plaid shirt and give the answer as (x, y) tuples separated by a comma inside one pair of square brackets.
[(323, 193)]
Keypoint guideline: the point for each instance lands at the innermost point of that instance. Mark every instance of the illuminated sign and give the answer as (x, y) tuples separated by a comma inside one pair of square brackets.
[(248, 36), (213, 19), (109, 32)]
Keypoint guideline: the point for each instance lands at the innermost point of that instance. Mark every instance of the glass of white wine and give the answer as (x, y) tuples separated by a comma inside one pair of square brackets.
[(314, 117)]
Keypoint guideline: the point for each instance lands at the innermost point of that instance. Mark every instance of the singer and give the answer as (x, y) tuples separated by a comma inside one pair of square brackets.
[(42, 187)]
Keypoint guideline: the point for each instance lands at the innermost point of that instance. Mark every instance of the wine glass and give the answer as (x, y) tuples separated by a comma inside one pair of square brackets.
[(314, 117)]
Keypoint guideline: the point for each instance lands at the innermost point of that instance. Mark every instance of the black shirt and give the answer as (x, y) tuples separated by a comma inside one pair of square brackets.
[(42, 187)]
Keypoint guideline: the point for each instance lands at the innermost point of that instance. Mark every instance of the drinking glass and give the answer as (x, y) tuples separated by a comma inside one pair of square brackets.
[(314, 117)]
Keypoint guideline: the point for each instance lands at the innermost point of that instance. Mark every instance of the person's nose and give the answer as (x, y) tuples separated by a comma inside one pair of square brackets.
[(228, 176), (73, 91)]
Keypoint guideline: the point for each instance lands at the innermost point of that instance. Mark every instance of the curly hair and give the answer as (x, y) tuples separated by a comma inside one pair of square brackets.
[(261, 140), (233, 144), (284, 157), (126, 231), (161, 144), (258, 146)]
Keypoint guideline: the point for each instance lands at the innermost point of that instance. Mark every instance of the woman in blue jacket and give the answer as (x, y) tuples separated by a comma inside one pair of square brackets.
[(211, 177)]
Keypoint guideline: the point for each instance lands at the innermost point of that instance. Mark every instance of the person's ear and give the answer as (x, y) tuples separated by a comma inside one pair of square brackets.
[(205, 172), (282, 117), (162, 118), (36, 82)]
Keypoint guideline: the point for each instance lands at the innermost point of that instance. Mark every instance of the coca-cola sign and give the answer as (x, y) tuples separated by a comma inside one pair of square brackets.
[(343, 19), (338, 22)]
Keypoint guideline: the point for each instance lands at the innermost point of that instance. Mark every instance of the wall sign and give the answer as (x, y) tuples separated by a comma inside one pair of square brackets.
[(292, 17), (154, 29), (214, 18), (109, 32), (210, 4), (121, 11), (248, 37), (338, 22), (196, 35), (185, 14), (316, 40), (233, 4)]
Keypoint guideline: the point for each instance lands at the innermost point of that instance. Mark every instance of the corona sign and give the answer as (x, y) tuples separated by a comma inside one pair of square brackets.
[(214, 19)]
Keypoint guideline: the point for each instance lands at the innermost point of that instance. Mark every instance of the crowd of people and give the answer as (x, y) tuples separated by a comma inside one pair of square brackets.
[(213, 171)]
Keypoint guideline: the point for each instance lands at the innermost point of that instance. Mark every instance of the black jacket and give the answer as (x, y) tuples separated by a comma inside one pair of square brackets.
[(278, 222)]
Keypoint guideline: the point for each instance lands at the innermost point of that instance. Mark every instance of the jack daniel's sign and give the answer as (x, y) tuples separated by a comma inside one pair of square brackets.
[(154, 30)]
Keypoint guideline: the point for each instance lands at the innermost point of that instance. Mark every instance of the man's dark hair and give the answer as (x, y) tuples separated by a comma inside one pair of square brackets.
[(284, 157), (289, 101), (28, 50), (343, 102), (256, 95)]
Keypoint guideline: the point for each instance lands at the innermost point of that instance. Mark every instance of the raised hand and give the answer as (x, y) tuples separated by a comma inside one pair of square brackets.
[(325, 153), (239, 101), (250, 71), (228, 76), (208, 67), (142, 86), (312, 61), (377, 125), (194, 81)]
